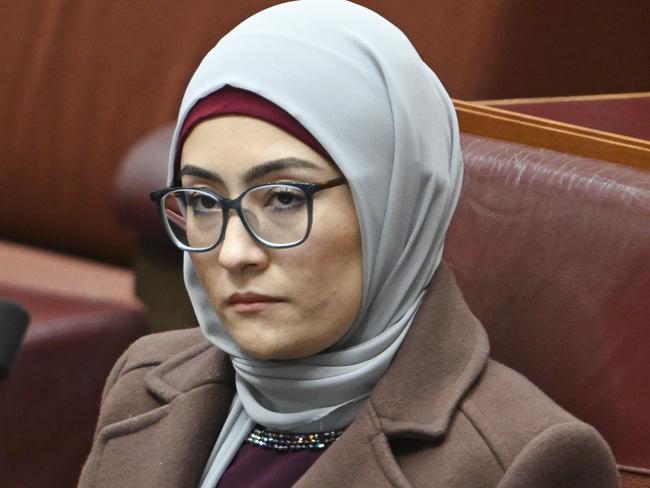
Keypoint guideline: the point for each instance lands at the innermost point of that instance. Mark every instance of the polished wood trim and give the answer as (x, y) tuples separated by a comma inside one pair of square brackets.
[(634, 469), (488, 121), (491, 112), (634, 480), (575, 98)]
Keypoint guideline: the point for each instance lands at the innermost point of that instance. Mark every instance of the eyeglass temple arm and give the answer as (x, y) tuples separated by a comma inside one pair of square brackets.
[(335, 182)]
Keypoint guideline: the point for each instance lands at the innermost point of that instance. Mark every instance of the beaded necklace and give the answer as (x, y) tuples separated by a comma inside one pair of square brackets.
[(287, 442)]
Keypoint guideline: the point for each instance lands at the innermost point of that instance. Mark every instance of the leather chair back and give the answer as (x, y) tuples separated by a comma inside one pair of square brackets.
[(552, 252)]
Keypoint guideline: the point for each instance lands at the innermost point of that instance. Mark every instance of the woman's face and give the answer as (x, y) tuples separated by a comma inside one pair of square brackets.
[(276, 303)]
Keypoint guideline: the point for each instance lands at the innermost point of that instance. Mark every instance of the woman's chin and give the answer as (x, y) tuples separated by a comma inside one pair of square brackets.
[(282, 343), (279, 332), (271, 350)]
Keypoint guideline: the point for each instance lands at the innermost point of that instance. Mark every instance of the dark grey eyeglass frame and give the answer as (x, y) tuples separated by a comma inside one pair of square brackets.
[(309, 189)]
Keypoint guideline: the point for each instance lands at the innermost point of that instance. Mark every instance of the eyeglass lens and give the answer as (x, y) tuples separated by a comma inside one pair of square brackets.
[(277, 214)]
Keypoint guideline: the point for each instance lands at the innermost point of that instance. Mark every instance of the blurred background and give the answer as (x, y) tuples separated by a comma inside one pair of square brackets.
[(83, 80), (88, 89)]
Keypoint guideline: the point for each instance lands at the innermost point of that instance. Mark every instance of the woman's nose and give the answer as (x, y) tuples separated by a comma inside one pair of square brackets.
[(239, 250)]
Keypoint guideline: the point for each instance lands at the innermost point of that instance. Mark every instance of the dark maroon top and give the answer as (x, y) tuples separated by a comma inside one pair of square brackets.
[(261, 467)]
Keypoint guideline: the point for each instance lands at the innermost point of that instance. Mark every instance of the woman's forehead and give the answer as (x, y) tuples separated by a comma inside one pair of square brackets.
[(237, 146)]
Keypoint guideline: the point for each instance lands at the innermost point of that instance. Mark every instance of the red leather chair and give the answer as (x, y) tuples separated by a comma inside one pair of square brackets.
[(50, 401), (552, 252)]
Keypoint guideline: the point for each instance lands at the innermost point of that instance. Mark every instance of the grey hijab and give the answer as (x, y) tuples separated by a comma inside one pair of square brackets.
[(358, 85)]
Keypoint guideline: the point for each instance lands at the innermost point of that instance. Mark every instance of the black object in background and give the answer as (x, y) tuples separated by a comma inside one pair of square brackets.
[(13, 323)]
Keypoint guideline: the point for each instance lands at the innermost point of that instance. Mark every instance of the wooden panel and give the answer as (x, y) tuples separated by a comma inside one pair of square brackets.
[(625, 114), (575, 98), (488, 121), (634, 477)]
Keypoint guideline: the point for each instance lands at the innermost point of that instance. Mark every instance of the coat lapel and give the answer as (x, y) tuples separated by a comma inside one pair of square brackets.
[(168, 446), (359, 458), (441, 357)]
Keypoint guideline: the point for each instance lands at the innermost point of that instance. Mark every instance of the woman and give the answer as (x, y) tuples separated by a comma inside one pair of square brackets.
[(314, 171)]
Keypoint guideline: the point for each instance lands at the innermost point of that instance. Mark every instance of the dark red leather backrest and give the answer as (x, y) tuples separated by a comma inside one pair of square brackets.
[(50, 402), (552, 252)]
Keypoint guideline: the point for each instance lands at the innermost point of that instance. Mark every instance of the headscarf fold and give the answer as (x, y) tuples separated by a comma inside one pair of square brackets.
[(355, 82)]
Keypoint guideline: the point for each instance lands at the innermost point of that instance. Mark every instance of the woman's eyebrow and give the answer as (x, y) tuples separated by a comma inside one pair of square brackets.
[(202, 173), (263, 169), (253, 174)]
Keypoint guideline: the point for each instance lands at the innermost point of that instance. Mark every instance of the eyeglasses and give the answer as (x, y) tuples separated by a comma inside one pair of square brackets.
[(277, 215)]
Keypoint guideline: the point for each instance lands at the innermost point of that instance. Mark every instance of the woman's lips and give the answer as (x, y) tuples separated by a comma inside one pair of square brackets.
[(251, 302)]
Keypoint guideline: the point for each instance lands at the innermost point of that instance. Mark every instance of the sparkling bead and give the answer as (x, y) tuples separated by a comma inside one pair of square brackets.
[(285, 442)]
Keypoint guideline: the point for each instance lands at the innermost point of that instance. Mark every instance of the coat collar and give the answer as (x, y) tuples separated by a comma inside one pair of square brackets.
[(442, 356), (440, 359), (194, 367)]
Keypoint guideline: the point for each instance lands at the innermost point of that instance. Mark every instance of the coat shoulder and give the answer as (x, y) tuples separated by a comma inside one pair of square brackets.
[(160, 346), (510, 410), (530, 434), (164, 386), (125, 393)]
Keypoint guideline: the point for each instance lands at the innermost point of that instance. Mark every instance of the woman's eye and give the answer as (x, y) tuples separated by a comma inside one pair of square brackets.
[(285, 199), (200, 202)]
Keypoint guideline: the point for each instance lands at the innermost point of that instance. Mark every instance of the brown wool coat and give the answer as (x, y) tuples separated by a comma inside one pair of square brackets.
[(443, 415)]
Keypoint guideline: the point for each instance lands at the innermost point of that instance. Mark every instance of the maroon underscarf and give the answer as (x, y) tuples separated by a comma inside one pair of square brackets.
[(234, 101), (259, 467)]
